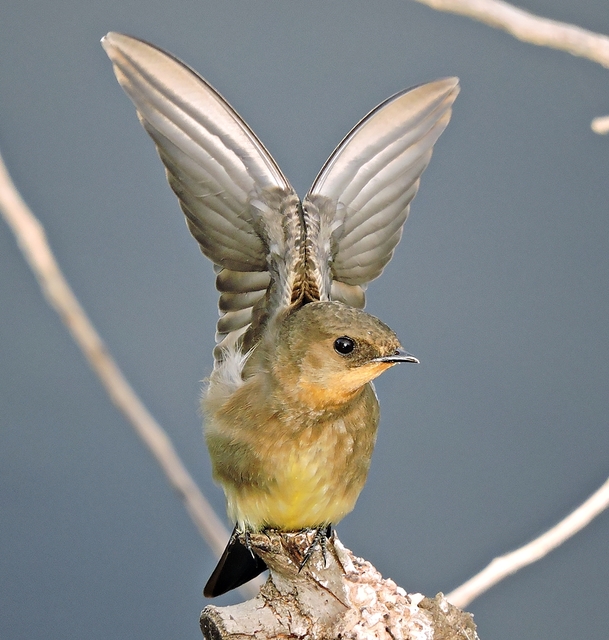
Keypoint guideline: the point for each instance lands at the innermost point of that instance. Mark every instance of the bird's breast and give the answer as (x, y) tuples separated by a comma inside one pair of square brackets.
[(310, 470), (311, 486)]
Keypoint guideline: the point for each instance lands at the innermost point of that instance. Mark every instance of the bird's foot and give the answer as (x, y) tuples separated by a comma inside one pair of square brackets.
[(247, 539), (320, 540), (248, 543)]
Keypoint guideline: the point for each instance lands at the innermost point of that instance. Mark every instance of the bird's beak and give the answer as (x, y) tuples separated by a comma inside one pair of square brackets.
[(400, 355)]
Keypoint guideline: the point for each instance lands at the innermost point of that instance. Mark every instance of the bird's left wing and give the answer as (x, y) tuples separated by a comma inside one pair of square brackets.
[(358, 203), (238, 205)]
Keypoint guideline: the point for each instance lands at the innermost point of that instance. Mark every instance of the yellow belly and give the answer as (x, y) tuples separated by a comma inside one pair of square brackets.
[(290, 472), (306, 492)]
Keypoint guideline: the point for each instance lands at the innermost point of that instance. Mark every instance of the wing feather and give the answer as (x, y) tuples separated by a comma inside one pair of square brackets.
[(241, 282), (368, 255), (365, 188), (239, 301), (230, 189)]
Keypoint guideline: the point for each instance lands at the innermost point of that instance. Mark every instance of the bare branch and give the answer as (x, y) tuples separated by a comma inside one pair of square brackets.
[(505, 565), (530, 28), (33, 243), (600, 125), (534, 29), (334, 595), (595, 46)]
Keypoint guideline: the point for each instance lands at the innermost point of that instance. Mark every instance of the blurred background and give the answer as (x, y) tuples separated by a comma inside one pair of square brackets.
[(499, 286)]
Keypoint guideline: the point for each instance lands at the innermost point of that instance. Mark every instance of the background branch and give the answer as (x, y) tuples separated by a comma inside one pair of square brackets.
[(509, 563), (33, 243), (540, 31), (536, 30), (600, 125)]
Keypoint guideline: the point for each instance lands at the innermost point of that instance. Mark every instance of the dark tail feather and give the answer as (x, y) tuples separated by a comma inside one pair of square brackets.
[(237, 566)]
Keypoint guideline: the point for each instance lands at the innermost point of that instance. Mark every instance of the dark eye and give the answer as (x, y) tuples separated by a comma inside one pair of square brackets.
[(344, 345)]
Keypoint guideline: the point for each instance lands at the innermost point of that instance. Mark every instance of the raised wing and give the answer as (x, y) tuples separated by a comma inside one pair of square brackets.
[(238, 204), (357, 206)]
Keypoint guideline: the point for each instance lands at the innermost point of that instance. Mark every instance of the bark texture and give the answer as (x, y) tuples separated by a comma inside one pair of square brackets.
[(334, 595)]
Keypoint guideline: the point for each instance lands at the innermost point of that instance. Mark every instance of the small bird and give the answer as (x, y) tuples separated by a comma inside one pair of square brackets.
[(291, 415)]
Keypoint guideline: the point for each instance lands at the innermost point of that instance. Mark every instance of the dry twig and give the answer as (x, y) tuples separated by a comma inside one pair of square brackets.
[(534, 29), (509, 563), (33, 243), (600, 125), (540, 31)]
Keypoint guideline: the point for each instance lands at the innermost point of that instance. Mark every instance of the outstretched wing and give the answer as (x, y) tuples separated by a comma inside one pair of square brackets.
[(238, 204), (357, 206)]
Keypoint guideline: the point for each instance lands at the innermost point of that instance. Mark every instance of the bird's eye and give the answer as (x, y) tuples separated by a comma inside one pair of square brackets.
[(344, 345)]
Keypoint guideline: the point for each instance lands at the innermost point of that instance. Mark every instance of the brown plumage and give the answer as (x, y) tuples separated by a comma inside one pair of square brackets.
[(291, 443), (291, 414)]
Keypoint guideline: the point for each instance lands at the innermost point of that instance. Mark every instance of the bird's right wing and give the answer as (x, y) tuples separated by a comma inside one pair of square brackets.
[(238, 205), (357, 206)]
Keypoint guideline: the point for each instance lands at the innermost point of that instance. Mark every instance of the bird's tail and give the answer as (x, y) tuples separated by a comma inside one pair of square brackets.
[(237, 566)]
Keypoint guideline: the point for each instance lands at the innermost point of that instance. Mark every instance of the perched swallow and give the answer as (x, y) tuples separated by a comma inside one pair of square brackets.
[(290, 412)]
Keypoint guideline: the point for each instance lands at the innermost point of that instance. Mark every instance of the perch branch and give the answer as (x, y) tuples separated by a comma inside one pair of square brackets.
[(33, 243), (505, 565), (334, 595), (533, 29)]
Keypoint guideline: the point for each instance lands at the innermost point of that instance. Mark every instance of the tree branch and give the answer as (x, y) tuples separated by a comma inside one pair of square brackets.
[(536, 30), (33, 243), (334, 595), (505, 565), (540, 31), (600, 125)]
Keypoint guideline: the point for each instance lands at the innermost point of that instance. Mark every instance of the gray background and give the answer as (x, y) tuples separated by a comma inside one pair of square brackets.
[(499, 286)]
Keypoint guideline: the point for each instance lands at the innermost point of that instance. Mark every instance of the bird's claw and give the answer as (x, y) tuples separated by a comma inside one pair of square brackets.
[(320, 539)]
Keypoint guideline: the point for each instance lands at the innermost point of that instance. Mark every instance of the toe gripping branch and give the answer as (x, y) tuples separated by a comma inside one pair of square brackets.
[(320, 540)]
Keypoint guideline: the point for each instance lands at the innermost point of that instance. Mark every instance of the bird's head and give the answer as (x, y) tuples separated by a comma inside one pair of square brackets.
[(327, 351)]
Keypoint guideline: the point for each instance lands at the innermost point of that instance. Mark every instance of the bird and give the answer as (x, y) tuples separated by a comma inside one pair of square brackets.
[(290, 411)]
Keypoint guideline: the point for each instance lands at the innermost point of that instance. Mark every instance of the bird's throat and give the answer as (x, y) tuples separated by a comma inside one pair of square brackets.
[(337, 389)]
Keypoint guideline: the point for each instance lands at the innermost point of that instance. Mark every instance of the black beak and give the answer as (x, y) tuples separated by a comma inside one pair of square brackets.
[(399, 355)]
